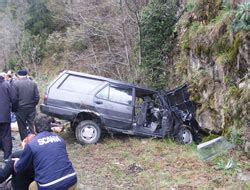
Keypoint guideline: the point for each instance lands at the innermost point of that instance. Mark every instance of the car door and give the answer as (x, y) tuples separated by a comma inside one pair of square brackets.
[(114, 103)]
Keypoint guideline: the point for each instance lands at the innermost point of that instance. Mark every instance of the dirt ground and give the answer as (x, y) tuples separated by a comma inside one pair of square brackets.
[(128, 162)]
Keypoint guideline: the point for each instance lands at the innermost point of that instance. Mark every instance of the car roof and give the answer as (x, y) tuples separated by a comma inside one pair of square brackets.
[(151, 91)]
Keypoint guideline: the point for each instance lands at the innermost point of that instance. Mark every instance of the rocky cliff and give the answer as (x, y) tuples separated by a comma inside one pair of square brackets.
[(214, 57)]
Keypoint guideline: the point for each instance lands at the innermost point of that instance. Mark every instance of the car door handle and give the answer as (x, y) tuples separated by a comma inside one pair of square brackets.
[(98, 102)]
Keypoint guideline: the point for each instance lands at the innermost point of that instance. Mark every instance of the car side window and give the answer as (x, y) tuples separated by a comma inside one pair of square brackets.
[(79, 84), (104, 93), (116, 94), (121, 95)]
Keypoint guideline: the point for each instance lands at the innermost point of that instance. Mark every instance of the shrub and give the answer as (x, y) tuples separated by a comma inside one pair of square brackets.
[(13, 63), (242, 17), (40, 20), (157, 26)]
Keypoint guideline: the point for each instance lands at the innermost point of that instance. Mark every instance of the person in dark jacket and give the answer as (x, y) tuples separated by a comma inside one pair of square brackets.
[(20, 181), (9, 77), (28, 98), (48, 155), (8, 101)]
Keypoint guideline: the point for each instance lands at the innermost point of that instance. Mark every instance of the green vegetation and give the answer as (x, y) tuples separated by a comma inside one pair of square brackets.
[(210, 38), (12, 63), (242, 17), (191, 5), (234, 135), (40, 20), (38, 27), (235, 109), (157, 26), (206, 10)]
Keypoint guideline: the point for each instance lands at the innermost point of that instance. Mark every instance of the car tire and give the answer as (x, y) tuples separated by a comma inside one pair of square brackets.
[(184, 135), (87, 132)]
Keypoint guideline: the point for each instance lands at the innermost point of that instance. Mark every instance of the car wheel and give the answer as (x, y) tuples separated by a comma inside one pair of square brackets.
[(87, 132), (184, 136)]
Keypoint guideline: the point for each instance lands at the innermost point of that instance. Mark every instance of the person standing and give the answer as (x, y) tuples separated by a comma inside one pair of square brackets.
[(9, 77), (8, 101), (28, 98), (47, 153)]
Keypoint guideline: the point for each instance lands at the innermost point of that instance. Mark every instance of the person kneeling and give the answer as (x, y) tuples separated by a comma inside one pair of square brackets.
[(22, 180), (48, 155)]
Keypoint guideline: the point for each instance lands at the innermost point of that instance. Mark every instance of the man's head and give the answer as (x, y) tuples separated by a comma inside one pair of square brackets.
[(8, 75), (22, 73), (42, 123)]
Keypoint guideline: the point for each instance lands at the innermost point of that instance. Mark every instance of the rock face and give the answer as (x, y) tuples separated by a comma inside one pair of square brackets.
[(214, 59), (214, 90), (247, 148), (223, 106)]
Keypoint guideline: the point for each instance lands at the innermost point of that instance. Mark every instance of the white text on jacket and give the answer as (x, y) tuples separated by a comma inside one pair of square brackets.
[(49, 139)]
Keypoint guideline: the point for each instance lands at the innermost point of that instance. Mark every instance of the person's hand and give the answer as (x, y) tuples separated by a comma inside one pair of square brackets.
[(23, 143), (27, 139), (57, 129)]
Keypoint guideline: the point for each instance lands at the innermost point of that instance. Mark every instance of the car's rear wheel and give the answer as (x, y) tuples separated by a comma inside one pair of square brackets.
[(87, 132), (184, 135)]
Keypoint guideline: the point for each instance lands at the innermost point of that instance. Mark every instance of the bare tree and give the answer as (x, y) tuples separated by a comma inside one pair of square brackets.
[(109, 29)]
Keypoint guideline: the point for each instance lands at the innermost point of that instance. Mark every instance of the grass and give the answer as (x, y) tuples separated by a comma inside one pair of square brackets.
[(207, 38), (126, 162)]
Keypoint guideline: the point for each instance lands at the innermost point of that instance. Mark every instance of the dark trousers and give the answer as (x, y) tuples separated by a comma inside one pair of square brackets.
[(6, 140), (25, 118)]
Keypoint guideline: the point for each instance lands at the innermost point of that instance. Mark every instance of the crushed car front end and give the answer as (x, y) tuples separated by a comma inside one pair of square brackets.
[(185, 127)]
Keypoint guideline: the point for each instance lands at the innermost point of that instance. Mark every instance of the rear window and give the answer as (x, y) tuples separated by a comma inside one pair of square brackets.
[(79, 84)]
